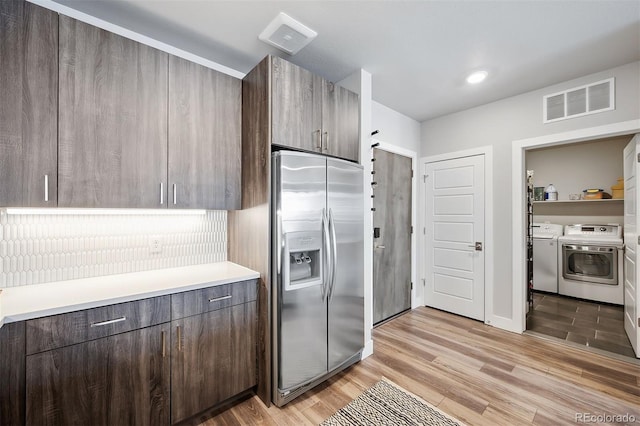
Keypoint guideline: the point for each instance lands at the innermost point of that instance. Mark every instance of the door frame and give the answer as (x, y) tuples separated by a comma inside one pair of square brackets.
[(394, 149), (518, 209), (487, 152)]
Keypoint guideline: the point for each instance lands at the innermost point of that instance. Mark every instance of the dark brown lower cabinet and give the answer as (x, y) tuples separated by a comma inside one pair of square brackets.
[(117, 380), (12, 350), (213, 358)]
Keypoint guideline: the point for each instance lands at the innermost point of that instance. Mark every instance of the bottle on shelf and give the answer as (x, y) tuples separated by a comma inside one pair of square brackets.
[(550, 193)]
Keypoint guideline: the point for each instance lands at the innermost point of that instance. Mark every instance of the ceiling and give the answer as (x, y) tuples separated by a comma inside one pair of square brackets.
[(418, 52)]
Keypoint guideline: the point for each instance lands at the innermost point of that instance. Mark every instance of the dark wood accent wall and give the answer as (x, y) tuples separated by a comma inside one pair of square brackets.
[(12, 374), (248, 229), (29, 96)]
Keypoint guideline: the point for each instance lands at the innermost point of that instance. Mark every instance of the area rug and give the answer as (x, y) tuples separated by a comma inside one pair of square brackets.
[(386, 403)]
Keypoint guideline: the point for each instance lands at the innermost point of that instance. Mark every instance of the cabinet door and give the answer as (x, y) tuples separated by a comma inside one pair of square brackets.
[(117, 380), (12, 405), (29, 96), (341, 122), (213, 358), (113, 120), (205, 144), (296, 106)]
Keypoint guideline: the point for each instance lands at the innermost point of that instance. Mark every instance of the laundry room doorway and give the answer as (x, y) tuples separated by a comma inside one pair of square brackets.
[(586, 307)]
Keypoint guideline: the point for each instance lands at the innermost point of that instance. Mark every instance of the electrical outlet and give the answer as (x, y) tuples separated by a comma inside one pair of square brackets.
[(155, 245)]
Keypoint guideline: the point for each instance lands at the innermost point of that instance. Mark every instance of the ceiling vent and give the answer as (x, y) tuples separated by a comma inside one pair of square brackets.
[(287, 34), (579, 101)]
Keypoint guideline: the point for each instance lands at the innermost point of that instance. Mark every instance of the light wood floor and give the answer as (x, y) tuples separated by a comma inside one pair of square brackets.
[(478, 374)]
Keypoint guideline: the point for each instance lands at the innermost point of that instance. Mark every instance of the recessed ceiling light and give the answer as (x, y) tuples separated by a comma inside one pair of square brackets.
[(477, 77)]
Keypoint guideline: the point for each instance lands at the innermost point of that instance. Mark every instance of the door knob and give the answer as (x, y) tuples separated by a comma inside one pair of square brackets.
[(477, 246)]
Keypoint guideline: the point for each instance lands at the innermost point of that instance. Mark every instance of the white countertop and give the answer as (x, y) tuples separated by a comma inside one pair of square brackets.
[(33, 301)]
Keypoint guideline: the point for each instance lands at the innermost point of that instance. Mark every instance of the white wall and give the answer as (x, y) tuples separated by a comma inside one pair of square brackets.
[(572, 168), (500, 123), (395, 128), (575, 167)]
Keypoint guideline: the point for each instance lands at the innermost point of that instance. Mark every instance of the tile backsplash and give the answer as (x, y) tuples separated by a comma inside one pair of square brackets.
[(43, 248)]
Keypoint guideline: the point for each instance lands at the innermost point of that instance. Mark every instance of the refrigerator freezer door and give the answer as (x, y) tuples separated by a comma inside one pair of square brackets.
[(299, 202), (345, 203)]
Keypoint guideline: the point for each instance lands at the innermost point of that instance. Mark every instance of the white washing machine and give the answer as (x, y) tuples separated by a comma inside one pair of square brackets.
[(591, 259), (545, 256)]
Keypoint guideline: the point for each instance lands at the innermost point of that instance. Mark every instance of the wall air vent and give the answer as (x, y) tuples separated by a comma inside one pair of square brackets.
[(579, 101)]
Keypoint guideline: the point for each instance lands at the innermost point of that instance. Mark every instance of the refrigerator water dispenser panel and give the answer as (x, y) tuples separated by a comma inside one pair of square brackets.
[(303, 251)]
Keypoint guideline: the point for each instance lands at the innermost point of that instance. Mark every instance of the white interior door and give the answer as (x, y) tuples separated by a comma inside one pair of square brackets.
[(455, 236), (631, 196)]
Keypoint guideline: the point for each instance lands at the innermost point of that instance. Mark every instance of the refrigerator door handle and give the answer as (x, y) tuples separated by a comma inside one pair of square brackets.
[(334, 253), (326, 268)]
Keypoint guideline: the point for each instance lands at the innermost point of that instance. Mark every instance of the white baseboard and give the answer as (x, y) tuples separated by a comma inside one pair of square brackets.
[(368, 349)]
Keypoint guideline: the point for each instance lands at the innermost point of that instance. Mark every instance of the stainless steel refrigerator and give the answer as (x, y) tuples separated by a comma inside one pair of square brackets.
[(318, 263)]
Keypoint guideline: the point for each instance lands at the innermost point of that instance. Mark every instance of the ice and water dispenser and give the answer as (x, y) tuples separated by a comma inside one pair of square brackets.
[(303, 259)]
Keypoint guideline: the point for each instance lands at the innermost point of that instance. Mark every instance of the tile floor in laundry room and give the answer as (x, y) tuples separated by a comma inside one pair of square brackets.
[(593, 324)]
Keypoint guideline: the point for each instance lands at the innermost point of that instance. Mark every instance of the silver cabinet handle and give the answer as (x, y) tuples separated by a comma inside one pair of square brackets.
[(163, 338), (326, 141), (175, 196), (380, 247), (217, 299), (161, 193), (112, 321), (319, 145), (179, 333), (46, 187)]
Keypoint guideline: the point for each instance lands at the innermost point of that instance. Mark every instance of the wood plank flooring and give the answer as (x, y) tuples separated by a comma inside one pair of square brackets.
[(476, 373)]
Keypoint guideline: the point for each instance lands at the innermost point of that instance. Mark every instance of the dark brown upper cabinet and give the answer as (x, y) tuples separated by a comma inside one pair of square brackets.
[(313, 114), (28, 116), (205, 144), (341, 122), (296, 105), (112, 149)]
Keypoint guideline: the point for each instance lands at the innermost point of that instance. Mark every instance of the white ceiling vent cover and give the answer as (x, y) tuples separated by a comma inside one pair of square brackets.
[(579, 101), (287, 34)]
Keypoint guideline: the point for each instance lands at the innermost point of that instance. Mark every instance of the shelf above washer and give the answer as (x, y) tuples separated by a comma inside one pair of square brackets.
[(605, 200)]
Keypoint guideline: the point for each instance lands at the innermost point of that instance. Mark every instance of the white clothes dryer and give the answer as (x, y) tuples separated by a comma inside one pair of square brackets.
[(591, 259), (545, 256)]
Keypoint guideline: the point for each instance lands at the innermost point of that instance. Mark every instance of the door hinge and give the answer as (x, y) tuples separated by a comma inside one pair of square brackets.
[(424, 178), (424, 231), (638, 239), (411, 174), (639, 157), (412, 229), (411, 285), (638, 321)]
